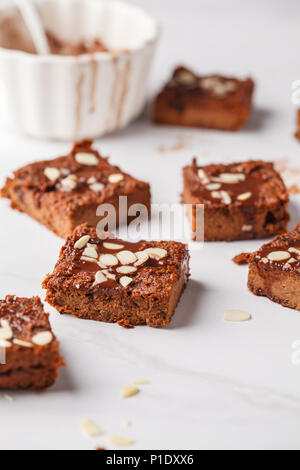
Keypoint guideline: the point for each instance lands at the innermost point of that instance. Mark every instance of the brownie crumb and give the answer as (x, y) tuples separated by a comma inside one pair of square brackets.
[(242, 259), (124, 324)]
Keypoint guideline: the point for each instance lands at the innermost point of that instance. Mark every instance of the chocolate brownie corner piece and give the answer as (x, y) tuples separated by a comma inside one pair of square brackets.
[(32, 358), (215, 101), (241, 201), (117, 281), (274, 270), (66, 192)]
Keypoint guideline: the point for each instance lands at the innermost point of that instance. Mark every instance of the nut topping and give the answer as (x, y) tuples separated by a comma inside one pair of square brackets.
[(97, 187), (142, 257), (90, 252), (4, 343), (24, 344), (99, 278), (115, 178), (126, 269), (126, 257), (125, 281), (69, 183), (81, 243), (6, 333), (244, 196), (279, 256), (226, 199), (156, 253), (237, 316), (52, 173), (90, 428), (120, 441), (112, 246), (203, 176), (108, 274), (185, 77), (85, 158), (43, 338), (247, 228), (108, 260), (92, 180), (213, 186), (129, 391), (229, 178), (294, 250)]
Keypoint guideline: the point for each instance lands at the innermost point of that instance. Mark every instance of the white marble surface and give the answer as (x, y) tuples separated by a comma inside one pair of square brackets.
[(213, 384)]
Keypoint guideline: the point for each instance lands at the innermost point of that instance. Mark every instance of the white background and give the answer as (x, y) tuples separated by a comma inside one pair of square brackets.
[(213, 384)]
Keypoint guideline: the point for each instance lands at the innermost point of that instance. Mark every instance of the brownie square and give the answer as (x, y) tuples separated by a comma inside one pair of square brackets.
[(66, 192), (117, 281), (241, 201), (32, 352), (212, 102), (274, 270)]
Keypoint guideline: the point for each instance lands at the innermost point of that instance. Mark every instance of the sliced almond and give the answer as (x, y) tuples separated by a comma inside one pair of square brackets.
[(279, 256), (129, 391), (8, 398), (81, 243), (120, 441), (4, 343), (142, 257), (87, 258), (108, 260), (203, 176), (112, 246), (294, 250), (292, 261), (156, 253), (99, 278), (125, 281), (213, 186), (115, 178), (24, 344), (229, 178), (4, 323), (97, 187), (52, 173), (92, 180), (216, 195), (64, 171), (90, 252), (185, 77), (126, 257), (126, 269), (69, 183), (244, 196), (226, 197), (142, 382), (43, 338), (109, 275), (90, 428), (6, 333), (237, 316), (247, 228), (85, 158)]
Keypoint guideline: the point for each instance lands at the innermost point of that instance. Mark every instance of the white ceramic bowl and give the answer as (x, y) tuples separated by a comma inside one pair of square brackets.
[(69, 98)]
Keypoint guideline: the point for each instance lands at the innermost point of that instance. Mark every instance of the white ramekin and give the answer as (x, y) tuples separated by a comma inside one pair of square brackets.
[(69, 98)]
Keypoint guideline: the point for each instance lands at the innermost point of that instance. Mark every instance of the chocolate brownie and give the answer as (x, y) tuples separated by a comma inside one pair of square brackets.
[(117, 281), (214, 101), (31, 358), (241, 201), (274, 270), (66, 192)]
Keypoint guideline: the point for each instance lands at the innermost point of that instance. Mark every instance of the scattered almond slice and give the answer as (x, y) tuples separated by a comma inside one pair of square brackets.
[(81, 243), (213, 186), (126, 269), (141, 382), (52, 173), (129, 391), (92, 180), (294, 250), (216, 194), (237, 316), (185, 77), (120, 441), (6, 333), (203, 176), (226, 197), (97, 187), (108, 260), (156, 253), (279, 256), (90, 252), (125, 281), (85, 158), (90, 428), (99, 278), (244, 196), (229, 178), (4, 343), (247, 228), (69, 183), (24, 344), (115, 178), (43, 338), (8, 398), (112, 246), (109, 275), (87, 258), (4, 323), (126, 257), (142, 257)]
